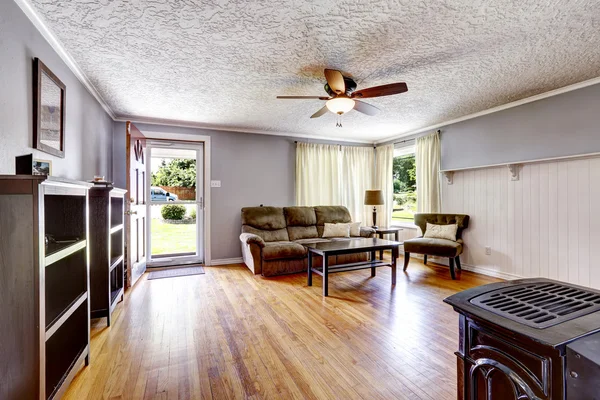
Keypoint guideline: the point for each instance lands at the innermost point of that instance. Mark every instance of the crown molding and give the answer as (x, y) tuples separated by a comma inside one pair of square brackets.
[(551, 93), (199, 125), (35, 19)]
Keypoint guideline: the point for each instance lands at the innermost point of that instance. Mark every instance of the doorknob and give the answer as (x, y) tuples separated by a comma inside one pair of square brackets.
[(130, 212)]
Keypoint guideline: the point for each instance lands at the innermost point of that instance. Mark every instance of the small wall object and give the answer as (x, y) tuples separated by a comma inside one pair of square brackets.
[(514, 170), (49, 104), (27, 165), (449, 177)]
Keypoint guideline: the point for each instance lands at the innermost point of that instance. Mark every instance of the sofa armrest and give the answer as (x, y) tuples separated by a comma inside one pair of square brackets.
[(367, 232), (250, 238)]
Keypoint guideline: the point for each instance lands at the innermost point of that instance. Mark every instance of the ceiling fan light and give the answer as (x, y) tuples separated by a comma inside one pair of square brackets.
[(340, 105)]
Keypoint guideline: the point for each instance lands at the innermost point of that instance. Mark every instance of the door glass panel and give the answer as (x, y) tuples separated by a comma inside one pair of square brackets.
[(173, 209), (173, 232), (173, 175)]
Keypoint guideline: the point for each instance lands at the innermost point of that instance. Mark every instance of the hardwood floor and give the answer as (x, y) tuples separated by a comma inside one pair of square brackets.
[(228, 334)]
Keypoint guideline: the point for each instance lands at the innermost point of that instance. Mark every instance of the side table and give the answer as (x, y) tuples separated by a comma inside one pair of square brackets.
[(387, 230)]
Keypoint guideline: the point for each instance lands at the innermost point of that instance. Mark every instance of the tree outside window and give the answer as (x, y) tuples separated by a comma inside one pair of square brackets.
[(405, 188)]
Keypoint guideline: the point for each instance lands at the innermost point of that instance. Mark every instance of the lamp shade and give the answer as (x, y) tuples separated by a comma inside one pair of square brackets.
[(374, 198)]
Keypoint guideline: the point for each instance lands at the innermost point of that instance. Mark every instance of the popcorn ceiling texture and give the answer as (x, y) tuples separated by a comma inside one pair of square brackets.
[(222, 62)]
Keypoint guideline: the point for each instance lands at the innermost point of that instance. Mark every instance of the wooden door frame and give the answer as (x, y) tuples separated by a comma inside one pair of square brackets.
[(128, 205), (187, 138)]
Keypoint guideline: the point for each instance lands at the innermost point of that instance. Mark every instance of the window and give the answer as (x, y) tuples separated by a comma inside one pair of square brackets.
[(405, 185)]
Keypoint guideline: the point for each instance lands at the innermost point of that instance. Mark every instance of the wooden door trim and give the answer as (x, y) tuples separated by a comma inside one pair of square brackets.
[(131, 128)]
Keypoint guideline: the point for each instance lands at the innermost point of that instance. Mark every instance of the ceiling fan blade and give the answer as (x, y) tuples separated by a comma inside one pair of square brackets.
[(335, 80), (365, 108), (320, 112), (378, 91), (303, 97)]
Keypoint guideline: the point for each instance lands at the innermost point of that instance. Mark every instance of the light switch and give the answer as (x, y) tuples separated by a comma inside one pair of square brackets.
[(215, 183)]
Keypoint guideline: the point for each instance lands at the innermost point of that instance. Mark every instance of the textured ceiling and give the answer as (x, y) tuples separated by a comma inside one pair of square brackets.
[(222, 63)]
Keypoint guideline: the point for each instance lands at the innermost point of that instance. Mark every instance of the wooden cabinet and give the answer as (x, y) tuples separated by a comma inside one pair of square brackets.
[(44, 280), (106, 250)]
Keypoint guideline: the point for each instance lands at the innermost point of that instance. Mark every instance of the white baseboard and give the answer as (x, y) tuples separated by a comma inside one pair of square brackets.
[(225, 261), (472, 268), (490, 272)]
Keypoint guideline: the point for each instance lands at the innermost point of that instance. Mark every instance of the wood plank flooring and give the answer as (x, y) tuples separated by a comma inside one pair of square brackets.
[(231, 335)]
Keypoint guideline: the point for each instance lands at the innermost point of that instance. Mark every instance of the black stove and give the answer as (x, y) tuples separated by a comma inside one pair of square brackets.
[(528, 339)]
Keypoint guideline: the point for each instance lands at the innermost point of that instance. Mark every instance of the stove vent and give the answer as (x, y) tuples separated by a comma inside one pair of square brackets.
[(539, 305)]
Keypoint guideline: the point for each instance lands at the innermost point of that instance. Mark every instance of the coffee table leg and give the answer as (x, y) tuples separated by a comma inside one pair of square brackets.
[(380, 251), (373, 269), (309, 268), (394, 258), (325, 275)]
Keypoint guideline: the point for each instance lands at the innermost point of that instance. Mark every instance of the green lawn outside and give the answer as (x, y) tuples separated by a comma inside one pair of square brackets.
[(172, 238), (402, 216)]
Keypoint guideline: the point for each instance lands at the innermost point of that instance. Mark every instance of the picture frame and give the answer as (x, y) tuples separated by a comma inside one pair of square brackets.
[(49, 106), (27, 165)]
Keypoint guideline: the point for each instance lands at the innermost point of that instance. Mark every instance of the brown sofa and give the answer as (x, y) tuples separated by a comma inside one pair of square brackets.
[(438, 247), (273, 237)]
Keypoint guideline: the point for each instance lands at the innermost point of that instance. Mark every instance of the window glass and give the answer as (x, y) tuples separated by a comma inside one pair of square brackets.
[(405, 186)]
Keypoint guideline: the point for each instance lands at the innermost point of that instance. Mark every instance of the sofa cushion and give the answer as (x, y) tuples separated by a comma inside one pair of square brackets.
[(301, 222), (300, 216), (311, 241), (278, 235), (331, 215), (281, 250), (302, 232), (433, 247), (336, 230), (266, 222)]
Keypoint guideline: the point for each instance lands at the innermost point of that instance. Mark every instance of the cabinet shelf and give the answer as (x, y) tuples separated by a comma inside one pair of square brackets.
[(57, 251), (114, 262), (62, 318), (116, 229)]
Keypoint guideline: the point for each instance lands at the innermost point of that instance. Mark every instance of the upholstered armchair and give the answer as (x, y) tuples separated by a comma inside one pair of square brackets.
[(438, 247)]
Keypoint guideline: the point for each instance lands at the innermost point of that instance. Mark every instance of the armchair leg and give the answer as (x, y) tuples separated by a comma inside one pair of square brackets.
[(425, 259), (452, 268), (406, 260), (457, 259)]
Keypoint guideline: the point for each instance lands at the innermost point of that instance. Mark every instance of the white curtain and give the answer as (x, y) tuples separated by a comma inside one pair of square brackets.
[(357, 176), (427, 158), (318, 180), (385, 182)]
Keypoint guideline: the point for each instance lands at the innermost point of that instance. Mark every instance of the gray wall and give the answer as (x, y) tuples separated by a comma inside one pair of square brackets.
[(563, 125), (88, 127), (253, 170)]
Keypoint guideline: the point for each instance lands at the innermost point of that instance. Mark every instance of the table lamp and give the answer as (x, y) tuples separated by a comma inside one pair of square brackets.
[(374, 198)]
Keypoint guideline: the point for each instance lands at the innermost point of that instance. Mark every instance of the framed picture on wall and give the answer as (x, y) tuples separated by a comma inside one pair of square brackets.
[(49, 103)]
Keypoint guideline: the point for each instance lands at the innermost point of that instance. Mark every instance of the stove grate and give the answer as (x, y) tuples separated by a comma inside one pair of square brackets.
[(539, 305)]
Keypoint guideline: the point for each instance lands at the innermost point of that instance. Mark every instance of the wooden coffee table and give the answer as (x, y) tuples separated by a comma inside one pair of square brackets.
[(338, 247)]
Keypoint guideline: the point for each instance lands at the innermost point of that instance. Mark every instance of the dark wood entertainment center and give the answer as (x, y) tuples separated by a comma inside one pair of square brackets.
[(44, 280), (106, 249)]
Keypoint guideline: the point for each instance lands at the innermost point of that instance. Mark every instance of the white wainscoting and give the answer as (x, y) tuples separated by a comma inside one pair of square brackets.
[(545, 224)]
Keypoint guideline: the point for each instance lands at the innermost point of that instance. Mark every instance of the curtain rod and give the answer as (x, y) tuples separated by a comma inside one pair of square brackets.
[(401, 141), (415, 138)]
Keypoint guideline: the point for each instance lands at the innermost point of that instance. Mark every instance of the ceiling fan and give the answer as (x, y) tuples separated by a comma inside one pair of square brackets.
[(343, 95)]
